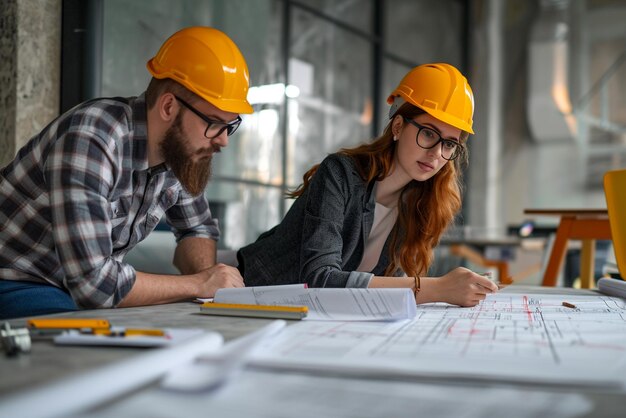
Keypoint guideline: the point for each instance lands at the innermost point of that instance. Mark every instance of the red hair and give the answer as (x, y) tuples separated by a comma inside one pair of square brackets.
[(425, 208)]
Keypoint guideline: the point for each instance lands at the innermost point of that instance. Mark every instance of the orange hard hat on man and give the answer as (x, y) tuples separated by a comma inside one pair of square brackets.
[(441, 91), (207, 62)]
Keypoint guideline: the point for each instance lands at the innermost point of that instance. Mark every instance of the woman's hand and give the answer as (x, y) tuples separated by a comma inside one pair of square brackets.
[(462, 287)]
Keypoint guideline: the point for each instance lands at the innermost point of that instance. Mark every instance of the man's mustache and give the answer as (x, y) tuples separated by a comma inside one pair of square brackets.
[(213, 149)]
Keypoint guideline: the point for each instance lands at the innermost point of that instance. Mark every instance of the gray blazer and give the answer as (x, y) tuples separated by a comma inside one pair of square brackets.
[(322, 238)]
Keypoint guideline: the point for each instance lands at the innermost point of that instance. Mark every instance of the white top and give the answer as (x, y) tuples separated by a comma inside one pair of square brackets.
[(384, 219)]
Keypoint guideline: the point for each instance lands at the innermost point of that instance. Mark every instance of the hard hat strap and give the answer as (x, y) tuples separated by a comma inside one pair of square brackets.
[(397, 102)]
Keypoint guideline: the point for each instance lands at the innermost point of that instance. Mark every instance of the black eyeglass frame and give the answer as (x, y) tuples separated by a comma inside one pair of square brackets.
[(458, 150), (230, 127)]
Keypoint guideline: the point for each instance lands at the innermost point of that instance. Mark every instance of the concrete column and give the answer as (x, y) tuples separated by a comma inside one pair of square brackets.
[(8, 78), (30, 62), (495, 69), (484, 192)]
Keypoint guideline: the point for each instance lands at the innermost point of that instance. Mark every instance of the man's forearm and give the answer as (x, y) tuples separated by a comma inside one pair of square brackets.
[(154, 289), (195, 254), (192, 255)]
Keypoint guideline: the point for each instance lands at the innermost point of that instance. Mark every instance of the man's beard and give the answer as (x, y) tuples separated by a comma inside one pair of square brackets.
[(193, 176)]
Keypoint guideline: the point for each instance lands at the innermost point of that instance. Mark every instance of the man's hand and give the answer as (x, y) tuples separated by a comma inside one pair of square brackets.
[(217, 277)]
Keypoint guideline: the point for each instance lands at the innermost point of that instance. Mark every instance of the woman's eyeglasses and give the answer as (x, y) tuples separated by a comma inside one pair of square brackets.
[(428, 138)]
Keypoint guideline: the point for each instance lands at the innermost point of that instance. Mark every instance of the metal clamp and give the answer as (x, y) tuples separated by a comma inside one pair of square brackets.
[(14, 341)]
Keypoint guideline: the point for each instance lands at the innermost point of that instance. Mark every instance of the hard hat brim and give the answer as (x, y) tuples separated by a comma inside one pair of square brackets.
[(437, 114), (234, 106)]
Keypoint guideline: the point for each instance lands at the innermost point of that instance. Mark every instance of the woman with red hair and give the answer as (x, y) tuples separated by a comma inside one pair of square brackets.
[(370, 216)]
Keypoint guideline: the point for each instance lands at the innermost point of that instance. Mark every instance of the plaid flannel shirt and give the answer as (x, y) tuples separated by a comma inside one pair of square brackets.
[(80, 194)]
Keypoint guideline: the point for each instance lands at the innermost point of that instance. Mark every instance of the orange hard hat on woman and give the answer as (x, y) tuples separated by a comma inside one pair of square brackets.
[(441, 91), (207, 62)]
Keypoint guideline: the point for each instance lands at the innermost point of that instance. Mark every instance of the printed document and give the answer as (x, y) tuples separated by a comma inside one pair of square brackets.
[(329, 304)]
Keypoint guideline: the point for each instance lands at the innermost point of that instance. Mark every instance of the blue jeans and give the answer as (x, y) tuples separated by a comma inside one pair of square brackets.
[(19, 299)]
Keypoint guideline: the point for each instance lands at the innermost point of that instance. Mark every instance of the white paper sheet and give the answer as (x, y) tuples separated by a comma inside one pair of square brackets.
[(246, 292), (523, 338), (214, 369), (329, 304), (172, 336), (273, 395), (612, 287), (87, 390)]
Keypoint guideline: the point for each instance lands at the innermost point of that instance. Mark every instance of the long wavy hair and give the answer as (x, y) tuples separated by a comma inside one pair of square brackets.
[(425, 208)]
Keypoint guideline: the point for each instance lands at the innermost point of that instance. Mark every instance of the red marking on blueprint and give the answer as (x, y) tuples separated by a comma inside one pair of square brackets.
[(527, 309)]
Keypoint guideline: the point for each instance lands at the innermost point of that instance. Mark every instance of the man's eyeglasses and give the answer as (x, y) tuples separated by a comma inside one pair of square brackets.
[(428, 138), (214, 127)]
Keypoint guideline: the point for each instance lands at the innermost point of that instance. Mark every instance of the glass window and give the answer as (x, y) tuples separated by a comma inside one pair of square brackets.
[(392, 74), (244, 211), (134, 31), (331, 69), (255, 152), (609, 101), (357, 13), (423, 30)]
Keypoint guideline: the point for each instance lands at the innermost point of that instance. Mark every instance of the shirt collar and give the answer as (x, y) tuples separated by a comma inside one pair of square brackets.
[(140, 132)]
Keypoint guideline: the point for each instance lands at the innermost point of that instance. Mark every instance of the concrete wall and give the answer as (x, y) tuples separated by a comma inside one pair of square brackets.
[(8, 78), (30, 57)]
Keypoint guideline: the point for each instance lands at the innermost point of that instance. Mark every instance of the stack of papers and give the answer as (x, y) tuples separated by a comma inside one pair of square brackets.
[(328, 304)]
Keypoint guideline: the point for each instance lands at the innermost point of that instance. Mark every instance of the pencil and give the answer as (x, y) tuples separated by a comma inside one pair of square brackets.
[(130, 332), (68, 323), (500, 285), (261, 311), (569, 305)]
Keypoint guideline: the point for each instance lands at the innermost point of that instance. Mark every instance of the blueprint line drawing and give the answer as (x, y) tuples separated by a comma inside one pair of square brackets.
[(529, 337)]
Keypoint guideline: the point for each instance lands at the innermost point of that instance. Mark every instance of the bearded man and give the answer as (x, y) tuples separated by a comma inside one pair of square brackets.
[(97, 180)]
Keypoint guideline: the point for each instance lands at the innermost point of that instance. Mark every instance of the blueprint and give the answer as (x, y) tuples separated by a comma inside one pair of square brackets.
[(528, 338)]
